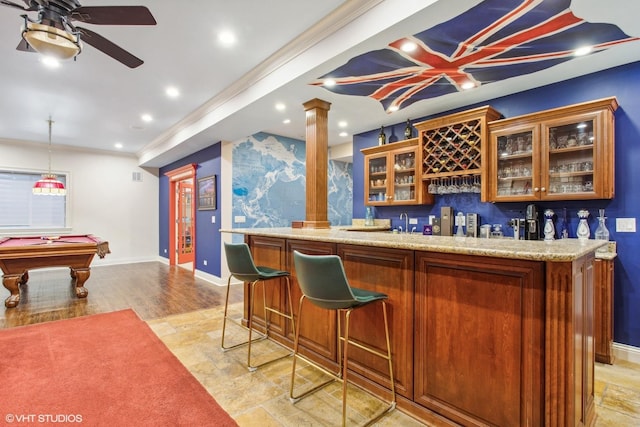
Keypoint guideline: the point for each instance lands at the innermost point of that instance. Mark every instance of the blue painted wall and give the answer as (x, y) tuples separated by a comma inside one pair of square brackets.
[(268, 183), (622, 82), (208, 163)]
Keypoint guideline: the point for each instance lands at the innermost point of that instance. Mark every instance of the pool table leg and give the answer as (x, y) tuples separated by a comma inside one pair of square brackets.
[(11, 282), (81, 275)]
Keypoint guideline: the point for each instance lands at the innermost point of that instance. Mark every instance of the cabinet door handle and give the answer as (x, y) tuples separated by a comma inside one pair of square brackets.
[(543, 189), (536, 189)]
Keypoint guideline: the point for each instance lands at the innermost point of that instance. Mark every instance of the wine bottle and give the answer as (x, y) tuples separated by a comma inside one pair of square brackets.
[(382, 138), (563, 230), (408, 132)]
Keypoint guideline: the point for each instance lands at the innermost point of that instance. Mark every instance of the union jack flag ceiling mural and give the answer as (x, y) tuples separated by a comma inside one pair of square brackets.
[(493, 41)]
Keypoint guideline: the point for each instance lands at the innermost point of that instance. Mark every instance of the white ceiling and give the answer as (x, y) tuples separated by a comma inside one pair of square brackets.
[(228, 94)]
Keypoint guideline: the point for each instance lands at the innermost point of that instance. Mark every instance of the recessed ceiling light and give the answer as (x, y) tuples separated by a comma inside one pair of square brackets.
[(286, 121), (118, 145), (329, 82), (582, 50), (172, 92), (146, 118), (342, 124), (50, 61), (280, 106), (468, 85), (226, 38), (343, 134), (408, 47), (393, 108)]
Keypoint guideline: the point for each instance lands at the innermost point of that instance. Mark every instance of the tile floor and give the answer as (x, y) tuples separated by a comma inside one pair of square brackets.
[(261, 398)]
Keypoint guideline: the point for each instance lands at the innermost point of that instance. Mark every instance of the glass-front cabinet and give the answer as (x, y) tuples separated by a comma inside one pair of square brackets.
[(392, 175), (561, 154)]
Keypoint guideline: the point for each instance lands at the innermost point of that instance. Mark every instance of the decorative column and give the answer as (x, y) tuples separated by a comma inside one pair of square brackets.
[(317, 142)]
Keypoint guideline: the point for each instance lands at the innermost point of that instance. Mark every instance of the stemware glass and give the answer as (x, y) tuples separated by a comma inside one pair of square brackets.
[(477, 185)]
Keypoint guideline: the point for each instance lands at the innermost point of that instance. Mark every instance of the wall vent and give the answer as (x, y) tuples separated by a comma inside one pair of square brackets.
[(136, 176)]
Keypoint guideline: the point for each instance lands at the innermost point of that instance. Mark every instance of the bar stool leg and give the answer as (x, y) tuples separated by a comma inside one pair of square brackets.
[(226, 306), (347, 317), (250, 323), (386, 333)]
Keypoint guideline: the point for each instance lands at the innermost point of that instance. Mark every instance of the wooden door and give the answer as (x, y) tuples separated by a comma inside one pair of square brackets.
[(184, 218)]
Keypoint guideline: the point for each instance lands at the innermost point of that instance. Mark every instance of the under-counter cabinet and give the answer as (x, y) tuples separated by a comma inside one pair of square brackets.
[(392, 175), (561, 154), (603, 314)]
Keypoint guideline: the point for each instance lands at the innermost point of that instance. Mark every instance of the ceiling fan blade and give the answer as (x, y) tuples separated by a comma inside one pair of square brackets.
[(113, 15), (24, 46), (109, 48), (17, 6)]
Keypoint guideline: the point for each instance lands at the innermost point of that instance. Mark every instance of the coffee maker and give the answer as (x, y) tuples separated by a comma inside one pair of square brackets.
[(531, 226)]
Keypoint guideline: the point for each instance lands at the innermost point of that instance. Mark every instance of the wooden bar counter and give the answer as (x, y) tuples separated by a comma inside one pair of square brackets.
[(484, 331)]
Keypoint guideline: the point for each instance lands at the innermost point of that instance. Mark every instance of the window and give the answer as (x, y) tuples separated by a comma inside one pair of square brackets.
[(21, 209)]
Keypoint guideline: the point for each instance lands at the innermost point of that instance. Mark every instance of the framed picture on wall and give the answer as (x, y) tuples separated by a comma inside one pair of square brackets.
[(207, 193)]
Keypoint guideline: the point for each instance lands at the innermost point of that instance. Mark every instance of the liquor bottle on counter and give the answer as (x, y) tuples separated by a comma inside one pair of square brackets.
[(549, 229), (382, 138), (563, 227), (408, 132), (583, 232), (602, 232)]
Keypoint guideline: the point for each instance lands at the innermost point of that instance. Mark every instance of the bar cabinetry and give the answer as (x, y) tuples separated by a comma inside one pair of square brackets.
[(603, 300), (561, 154), (392, 175), (454, 146), (480, 336)]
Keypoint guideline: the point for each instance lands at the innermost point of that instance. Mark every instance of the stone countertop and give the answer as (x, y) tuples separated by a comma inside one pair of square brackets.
[(556, 251)]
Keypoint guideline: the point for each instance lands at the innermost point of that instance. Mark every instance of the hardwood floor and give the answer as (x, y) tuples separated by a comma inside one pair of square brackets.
[(152, 289)]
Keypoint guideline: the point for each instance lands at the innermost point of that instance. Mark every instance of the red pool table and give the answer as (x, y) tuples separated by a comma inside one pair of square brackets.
[(18, 255)]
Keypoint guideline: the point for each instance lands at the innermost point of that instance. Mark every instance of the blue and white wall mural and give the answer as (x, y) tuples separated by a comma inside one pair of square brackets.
[(269, 175)]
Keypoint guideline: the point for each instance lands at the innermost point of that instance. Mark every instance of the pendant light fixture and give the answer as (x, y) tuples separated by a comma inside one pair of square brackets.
[(49, 185)]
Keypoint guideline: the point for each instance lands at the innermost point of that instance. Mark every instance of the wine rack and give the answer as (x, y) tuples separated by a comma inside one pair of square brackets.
[(452, 150), (455, 145)]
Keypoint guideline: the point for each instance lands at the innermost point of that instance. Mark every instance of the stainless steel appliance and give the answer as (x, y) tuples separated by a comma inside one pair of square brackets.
[(531, 223), (473, 225), (518, 227)]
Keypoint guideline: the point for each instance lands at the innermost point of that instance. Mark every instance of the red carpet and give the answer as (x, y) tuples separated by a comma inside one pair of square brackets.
[(106, 369)]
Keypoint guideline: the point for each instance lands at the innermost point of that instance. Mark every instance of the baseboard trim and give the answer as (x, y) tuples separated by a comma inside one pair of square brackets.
[(207, 277), (626, 352)]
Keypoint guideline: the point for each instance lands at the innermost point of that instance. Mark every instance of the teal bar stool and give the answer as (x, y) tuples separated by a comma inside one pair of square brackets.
[(242, 267), (324, 283)]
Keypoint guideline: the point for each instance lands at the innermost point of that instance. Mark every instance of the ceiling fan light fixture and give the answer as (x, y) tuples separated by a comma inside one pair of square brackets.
[(51, 41)]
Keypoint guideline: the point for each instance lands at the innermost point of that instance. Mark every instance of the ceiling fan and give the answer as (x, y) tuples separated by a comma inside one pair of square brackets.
[(53, 33)]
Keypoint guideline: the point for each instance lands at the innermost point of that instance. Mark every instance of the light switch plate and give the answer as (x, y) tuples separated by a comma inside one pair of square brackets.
[(625, 225), (413, 221)]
